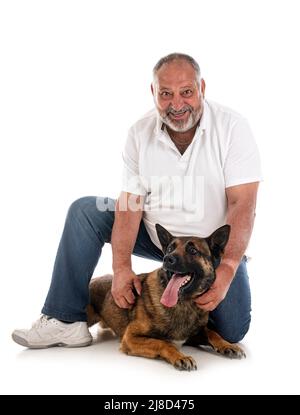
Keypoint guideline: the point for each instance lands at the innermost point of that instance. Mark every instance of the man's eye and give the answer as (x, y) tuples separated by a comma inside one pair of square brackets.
[(187, 92), (165, 94)]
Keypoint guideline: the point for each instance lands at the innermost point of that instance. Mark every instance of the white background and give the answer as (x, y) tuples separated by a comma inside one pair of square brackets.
[(74, 75)]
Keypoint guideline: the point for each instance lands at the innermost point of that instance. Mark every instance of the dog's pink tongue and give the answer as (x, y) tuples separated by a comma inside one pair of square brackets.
[(170, 295)]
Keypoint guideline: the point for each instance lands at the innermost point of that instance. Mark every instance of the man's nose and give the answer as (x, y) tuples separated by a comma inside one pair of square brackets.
[(177, 102)]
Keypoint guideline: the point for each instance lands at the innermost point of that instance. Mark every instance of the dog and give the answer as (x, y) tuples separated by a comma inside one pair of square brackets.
[(166, 311)]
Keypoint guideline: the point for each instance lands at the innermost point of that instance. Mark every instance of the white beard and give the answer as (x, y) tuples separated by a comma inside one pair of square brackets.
[(181, 126)]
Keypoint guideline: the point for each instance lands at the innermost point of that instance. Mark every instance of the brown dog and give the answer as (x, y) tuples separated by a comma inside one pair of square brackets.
[(166, 310)]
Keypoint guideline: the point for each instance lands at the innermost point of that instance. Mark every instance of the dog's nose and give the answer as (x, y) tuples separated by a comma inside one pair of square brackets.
[(170, 260)]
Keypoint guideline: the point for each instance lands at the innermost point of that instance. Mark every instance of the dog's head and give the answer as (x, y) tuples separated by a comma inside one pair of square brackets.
[(189, 263)]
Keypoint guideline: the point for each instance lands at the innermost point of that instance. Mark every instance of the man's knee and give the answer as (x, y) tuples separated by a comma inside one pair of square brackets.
[(90, 206), (93, 215), (82, 206)]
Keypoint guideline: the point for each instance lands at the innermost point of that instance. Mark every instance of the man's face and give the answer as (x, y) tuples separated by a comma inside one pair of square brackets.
[(177, 95)]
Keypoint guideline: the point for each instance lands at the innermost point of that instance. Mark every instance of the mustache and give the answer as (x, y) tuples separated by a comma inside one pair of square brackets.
[(181, 111)]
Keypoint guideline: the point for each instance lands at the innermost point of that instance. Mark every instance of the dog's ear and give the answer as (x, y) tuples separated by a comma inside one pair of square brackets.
[(164, 236), (218, 240)]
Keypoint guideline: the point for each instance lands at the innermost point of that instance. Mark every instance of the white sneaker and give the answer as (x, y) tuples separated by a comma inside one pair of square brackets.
[(48, 332)]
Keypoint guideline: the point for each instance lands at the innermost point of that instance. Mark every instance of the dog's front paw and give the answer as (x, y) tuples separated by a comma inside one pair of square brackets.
[(233, 351), (185, 363)]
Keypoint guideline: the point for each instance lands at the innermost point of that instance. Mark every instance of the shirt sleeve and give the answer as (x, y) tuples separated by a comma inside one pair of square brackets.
[(242, 163), (131, 180)]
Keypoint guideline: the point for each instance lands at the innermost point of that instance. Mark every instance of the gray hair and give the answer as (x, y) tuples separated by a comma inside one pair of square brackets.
[(175, 57)]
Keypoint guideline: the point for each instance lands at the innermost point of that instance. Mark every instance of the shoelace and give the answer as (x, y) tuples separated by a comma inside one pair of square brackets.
[(42, 321)]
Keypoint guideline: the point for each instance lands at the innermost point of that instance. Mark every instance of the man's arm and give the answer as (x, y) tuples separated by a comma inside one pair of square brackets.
[(241, 201), (128, 215)]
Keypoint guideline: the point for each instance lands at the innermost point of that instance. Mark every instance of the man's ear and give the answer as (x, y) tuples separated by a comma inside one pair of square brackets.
[(164, 236), (152, 89), (203, 86), (218, 240)]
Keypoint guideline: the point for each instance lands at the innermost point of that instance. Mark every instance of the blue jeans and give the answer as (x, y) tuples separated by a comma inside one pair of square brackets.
[(85, 232)]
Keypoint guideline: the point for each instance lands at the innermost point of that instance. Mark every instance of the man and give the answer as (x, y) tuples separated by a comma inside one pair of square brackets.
[(190, 165)]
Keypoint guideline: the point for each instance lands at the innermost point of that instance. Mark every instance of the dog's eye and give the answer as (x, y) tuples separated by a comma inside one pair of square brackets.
[(169, 249), (192, 250)]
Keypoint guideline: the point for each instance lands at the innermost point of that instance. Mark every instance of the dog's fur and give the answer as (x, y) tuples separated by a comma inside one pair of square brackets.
[(149, 328)]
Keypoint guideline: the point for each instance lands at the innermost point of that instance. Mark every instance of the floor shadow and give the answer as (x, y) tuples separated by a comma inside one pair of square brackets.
[(104, 335)]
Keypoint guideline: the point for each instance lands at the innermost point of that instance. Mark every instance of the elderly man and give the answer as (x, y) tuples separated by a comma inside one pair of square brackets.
[(191, 165)]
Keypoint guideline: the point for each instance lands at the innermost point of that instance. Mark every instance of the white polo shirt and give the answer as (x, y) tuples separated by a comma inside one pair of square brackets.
[(185, 193)]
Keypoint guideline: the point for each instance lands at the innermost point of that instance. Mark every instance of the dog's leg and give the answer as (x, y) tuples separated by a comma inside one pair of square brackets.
[(221, 346), (139, 345), (207, 337)]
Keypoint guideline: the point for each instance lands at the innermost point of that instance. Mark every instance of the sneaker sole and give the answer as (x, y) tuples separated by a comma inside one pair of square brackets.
[(25, 343)]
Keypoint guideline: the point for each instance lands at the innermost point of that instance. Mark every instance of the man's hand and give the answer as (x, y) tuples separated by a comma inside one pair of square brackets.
[(122, 284), (217, 292)]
